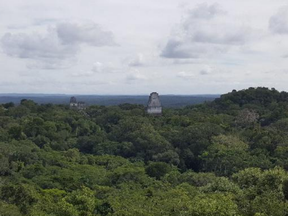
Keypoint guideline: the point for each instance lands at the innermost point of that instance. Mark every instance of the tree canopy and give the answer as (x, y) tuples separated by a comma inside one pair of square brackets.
[(227, 157)]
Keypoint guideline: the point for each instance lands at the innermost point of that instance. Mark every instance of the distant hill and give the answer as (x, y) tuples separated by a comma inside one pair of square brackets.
[(261, 96), (108, 100)]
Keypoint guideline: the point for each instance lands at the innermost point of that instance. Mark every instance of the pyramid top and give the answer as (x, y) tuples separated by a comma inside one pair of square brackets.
[(154, 100), (73, 100)]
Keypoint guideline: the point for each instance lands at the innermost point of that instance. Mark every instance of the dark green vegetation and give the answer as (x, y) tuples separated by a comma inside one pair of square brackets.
[(225, 158)]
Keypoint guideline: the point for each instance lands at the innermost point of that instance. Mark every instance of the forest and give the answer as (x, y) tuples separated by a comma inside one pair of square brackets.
[(228, 157)]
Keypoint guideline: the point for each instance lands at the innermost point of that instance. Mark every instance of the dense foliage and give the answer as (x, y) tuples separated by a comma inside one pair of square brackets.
[(224, 158)]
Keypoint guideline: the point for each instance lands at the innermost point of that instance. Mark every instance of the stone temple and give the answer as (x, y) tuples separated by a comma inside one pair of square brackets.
[(77, 105), (154, 106), (73, 102)]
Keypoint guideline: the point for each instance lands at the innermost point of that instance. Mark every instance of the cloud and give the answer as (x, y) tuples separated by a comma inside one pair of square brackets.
[(45, 21), (206, 70), (185, 49), (89, 82), (178, 49), (36, 46), (83, 74), (88, 33), (205, 11), (185, 75), (185, 61), (135, 76), (135, 61), (58, 47), (52, 64), (278, 23), (99, 67), (205, 32)]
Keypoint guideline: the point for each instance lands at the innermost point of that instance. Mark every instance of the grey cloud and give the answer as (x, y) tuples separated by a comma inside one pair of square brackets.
[(47, 52), (205, 11), (58, 48), (187, 50), (278, 23), (36, 46), (203, 72), (203, 34), (232, 35), (135, 61), (206, 70), (177, 49), (91, 34)]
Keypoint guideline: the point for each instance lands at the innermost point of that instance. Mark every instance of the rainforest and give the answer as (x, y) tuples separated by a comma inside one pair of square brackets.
[(227, 157)]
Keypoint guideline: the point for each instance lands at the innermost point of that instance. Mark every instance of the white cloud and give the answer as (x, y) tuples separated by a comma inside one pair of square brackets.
[(58, 47), (278, 23), (108, 67), (185, 75), (205, 32), (185, 61)]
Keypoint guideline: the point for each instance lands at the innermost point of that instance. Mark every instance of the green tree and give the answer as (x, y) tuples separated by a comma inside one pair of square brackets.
[(158, 169)]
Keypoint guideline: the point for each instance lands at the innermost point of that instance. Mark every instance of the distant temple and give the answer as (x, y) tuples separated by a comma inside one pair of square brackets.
[(154, 105), (77, 105)]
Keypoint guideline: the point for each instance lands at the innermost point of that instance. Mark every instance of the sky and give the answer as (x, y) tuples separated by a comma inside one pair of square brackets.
[(128, 47)]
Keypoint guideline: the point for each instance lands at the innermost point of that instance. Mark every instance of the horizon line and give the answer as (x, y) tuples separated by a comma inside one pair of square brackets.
[(71, 94)]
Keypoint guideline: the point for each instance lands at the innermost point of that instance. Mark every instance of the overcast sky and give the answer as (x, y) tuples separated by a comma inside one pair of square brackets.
[(137, 47)]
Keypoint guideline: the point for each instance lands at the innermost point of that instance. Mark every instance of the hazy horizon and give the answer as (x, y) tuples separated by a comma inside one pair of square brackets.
[(71, 94), (108, 100)]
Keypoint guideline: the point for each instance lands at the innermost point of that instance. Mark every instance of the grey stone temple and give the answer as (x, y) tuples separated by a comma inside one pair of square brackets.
[(77, 105), (154, 106)]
